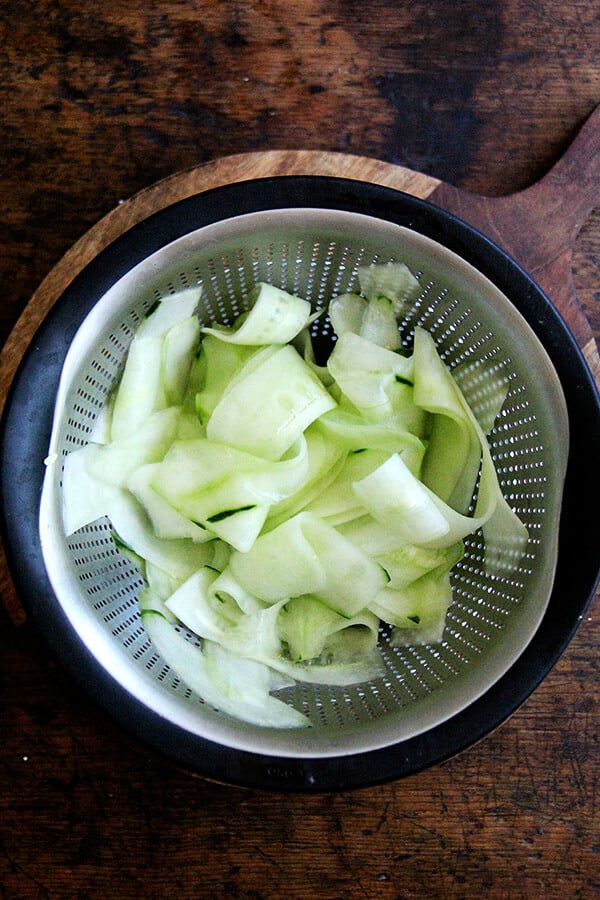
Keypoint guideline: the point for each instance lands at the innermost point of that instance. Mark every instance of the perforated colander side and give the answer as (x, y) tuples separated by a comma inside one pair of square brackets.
[(316, 254)]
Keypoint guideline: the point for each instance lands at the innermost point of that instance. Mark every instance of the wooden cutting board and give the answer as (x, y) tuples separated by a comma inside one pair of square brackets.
[(537, 226)]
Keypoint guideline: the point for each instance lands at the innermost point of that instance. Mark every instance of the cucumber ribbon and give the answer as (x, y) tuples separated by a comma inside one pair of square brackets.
[(282, 511)]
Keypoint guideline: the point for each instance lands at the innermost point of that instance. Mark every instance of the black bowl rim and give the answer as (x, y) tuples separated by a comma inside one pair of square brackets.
[(24, 436)]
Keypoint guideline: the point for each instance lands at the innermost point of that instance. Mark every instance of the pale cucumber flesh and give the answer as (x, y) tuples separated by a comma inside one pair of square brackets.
[(278, 510)]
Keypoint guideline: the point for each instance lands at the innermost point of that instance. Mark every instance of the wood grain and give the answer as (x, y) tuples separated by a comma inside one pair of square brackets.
[(99, 103), (539, 225)]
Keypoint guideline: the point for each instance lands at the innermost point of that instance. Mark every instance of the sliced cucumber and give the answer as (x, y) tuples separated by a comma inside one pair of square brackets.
[(392, 280), (243, 418), (279, 509), (275, 317), (234, 685)]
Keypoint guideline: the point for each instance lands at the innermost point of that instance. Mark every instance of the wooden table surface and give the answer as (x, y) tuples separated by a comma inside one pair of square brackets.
[(101, 101)]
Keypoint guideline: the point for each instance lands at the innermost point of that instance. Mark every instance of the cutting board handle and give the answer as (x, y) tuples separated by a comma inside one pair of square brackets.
[(574, 180), (538, 226)]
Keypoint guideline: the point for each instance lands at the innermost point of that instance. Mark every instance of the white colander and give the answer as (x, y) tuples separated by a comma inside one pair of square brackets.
[(315, 253)]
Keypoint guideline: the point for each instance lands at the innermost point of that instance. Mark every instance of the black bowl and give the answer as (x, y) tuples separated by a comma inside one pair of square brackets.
[(25, 432)]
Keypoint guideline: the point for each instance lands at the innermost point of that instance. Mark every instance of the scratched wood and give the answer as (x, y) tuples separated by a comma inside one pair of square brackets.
[(100, 102)]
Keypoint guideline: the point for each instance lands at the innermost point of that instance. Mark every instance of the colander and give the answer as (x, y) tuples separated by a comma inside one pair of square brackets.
[(309, 235)]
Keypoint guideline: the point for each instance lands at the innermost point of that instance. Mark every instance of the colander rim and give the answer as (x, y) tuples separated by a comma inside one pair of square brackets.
[(45, 355)]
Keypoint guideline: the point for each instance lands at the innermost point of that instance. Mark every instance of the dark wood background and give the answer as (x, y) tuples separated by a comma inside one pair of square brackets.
[(99, 101)]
